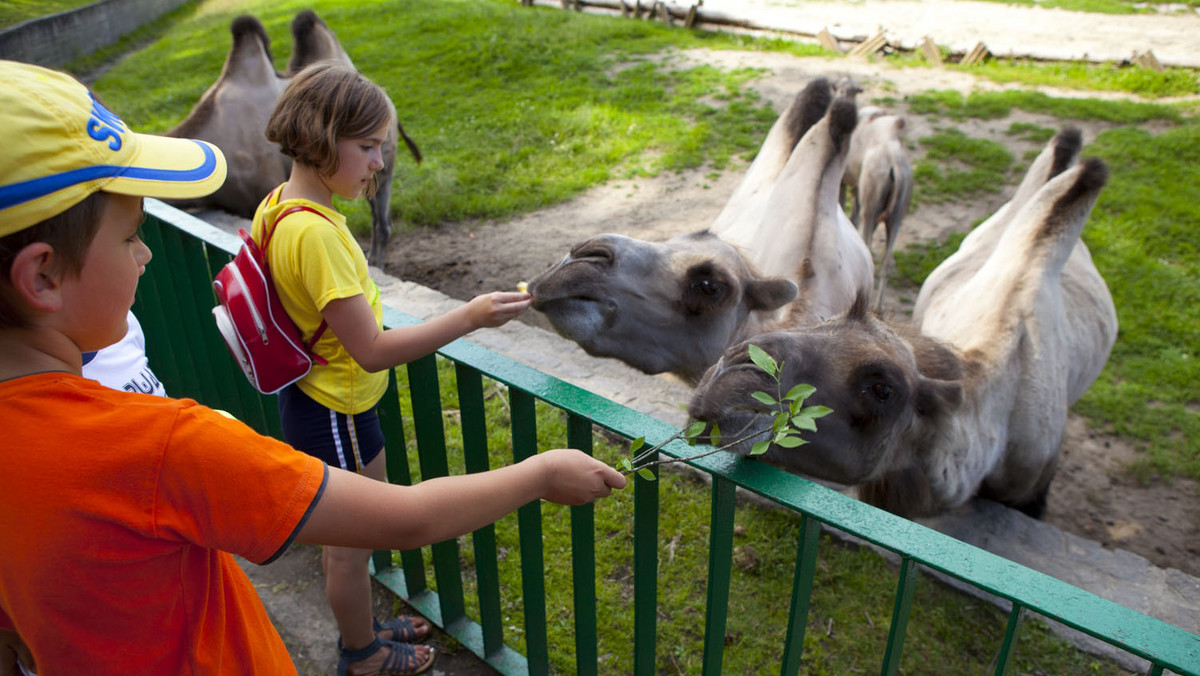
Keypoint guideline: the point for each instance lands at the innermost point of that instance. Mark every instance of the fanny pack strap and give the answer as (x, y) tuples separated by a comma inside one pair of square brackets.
[(268, 231)]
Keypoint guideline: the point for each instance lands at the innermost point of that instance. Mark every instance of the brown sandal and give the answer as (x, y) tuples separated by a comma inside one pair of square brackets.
[(402, 630), (400, 660)]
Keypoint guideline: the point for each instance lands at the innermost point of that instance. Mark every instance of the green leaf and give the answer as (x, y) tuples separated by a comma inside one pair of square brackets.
[(636, 444), (779, 424), (804, 422), (625, 464), (763, 360), (694, 430), (646, 474), (760, 448), (714, 437), (800, 392), (818, 411), (790, 442), (764, 398)]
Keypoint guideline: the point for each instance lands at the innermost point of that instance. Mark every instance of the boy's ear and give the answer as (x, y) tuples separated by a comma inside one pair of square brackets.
[(35, 279)]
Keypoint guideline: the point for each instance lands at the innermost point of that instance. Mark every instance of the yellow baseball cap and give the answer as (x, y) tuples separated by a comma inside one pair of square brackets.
[(62, 145)]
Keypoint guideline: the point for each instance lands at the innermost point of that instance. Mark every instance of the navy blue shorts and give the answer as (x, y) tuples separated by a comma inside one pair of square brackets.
[(346, 441)]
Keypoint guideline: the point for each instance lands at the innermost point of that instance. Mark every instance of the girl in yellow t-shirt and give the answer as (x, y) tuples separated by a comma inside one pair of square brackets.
[(332, 122)]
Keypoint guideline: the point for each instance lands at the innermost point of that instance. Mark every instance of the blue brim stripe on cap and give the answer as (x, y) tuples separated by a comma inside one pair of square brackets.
[(27, 191)]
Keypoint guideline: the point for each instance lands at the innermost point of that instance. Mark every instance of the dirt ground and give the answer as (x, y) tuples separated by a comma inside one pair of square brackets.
[(1091, 495)]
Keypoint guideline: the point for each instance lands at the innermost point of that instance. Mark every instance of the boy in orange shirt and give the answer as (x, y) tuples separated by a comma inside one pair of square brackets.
[(118, 510)]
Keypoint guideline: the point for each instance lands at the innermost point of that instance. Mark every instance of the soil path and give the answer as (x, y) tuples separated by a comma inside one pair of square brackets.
[(1006, 30), (1091, 496)]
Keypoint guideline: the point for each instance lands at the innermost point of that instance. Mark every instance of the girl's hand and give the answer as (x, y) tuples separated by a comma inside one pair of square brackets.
[(497, 308), (575, 478)]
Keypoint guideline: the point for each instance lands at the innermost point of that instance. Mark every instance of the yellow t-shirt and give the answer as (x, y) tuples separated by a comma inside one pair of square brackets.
[(314, 261)]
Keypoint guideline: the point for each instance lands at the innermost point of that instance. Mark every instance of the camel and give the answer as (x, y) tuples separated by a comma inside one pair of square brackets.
[(970, 400), (232, 114), (781, 253), (879, 175)]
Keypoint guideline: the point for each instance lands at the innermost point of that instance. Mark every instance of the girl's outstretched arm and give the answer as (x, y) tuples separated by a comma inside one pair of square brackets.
[(351, 320), (355, 511)]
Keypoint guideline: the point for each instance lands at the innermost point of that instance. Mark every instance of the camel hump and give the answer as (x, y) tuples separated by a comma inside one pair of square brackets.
[(246, 27), (809, 107), (312, 41), (1090, 177), (843, 117), (304, 22), (1067, 144)]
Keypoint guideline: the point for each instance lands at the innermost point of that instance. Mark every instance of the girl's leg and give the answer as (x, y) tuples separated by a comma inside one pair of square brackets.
[(348, 588), (348, 581)]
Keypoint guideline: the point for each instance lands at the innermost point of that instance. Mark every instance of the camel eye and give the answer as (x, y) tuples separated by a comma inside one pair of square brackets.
[(708, 287), (881, 391)]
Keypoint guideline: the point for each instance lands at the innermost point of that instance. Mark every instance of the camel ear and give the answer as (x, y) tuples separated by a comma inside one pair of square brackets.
[(770, 294), (936, 397)]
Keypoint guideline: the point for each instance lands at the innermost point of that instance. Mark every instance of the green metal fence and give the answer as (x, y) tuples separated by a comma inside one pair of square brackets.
[(174, 304)]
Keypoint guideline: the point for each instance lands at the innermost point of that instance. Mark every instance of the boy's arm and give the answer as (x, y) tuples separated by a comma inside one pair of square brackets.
[(353, 322), (354, 511)]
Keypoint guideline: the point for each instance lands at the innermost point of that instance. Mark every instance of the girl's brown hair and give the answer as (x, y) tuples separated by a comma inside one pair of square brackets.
[(327, 101)]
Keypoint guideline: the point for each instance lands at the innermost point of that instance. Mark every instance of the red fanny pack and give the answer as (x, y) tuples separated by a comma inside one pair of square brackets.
[(262, 338)]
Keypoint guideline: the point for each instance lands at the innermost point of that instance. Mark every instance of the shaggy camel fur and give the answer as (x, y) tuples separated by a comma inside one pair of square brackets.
[(232, 114), (674, 306), (973, 399)]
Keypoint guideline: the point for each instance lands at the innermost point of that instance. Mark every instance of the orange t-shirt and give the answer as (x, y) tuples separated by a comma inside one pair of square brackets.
[(117, 511)]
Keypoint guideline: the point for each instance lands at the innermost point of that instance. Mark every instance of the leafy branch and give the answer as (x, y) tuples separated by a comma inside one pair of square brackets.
[(790, 419)]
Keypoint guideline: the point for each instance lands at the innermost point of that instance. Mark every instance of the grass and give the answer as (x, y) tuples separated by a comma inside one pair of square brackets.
[(13, 12), (853, 590), (513, 109)]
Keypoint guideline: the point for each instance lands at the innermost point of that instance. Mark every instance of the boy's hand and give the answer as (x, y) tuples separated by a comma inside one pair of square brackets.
[(575, 478), (497, 308)]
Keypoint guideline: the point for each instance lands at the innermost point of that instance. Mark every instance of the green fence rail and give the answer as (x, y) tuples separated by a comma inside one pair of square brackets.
[(174, 304)]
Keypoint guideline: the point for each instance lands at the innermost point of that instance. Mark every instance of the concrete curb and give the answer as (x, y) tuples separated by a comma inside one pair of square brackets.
[(57, 39)]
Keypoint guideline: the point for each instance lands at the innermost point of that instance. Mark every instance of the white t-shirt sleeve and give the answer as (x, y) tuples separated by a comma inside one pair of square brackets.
[(123, 365)]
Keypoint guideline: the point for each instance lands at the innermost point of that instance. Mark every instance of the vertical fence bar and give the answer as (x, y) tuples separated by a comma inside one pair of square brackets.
[(529, 521), (720, 569), (487, 569), (645, 570), (802, 582), (431, 445), (583, 550), (1007, 647), (900, 613), (396, 457), (188, 314)]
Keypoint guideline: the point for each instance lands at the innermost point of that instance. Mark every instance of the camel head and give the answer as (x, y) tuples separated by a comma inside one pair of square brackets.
[(886, 389), (658, 306)]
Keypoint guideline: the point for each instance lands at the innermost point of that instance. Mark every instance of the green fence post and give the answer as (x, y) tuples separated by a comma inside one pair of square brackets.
[(529, 521), (645, 570), (475, 451), (900, 613), (583, 551), (720, 569), (431, 446), (1007, 647), (802, 583)]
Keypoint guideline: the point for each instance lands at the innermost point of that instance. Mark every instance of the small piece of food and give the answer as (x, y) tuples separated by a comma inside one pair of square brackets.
[(523, 287)]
